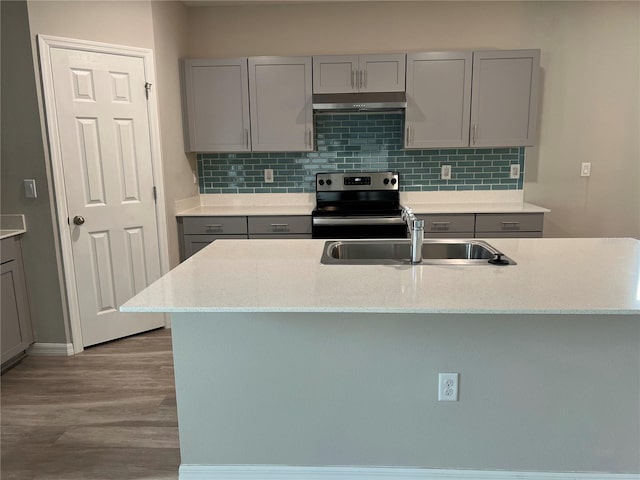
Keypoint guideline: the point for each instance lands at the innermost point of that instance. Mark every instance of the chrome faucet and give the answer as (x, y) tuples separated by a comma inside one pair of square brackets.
[(416, 232)]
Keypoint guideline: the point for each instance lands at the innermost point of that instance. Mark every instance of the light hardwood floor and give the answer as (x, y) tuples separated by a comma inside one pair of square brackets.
[(107, 413)]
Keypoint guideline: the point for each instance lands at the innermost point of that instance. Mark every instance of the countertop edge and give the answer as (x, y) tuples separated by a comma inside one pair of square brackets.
[(418, 208)]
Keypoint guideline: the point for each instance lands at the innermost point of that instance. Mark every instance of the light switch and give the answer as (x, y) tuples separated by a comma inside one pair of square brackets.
[(30, 188)]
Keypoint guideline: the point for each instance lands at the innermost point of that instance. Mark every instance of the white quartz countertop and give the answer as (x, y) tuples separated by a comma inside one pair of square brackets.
[(12, 225), (418, 208), (486, 207), (246, 210), (562, 276)]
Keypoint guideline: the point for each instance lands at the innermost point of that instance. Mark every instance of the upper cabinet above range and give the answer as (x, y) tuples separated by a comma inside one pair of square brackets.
[(359, 73)]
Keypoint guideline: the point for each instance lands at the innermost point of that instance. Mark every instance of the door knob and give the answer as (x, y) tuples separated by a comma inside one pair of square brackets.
[(78, 220)]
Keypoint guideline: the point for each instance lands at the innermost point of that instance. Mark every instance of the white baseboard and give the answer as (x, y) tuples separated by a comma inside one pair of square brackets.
[(51, 349), (276, 472)]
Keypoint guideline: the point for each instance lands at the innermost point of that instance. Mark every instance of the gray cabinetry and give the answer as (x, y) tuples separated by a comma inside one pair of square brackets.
[(438, 99), (359, 73), (216, 97), (198, 232), (16, 332), (448, 226), (280, 92), (504, 225), (504, 98), (288, 226)]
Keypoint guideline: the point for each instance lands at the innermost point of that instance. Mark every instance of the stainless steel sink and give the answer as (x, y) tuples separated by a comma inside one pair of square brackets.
[(397, 252)]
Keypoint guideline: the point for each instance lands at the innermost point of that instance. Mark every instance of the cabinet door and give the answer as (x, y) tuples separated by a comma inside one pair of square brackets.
[(281, 104), (16, 333), (504, 98), (217, 105), (382, 73), (438, 99), (335, 73)]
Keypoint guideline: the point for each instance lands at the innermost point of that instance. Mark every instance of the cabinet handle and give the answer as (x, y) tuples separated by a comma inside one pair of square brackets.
[(364, 76), (214, 225), (510, 225), (408, 135), (359, 78), (279, 225), (353, 78), (475, 129), (246, 138), (441, 225), (310, 137)]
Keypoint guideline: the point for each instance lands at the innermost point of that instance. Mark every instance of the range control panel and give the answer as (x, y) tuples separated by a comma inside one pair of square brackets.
[(332, 182)]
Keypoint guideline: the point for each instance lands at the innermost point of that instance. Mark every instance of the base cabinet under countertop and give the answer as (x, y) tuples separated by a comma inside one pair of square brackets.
[(199, 231), (16, 332)]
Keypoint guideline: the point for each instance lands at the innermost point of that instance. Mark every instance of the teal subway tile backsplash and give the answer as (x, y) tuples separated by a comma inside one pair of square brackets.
[(356, 142)]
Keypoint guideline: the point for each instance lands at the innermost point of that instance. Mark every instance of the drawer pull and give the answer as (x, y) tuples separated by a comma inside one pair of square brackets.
[(441, 225), (279, 225), (214, 225), (510, 225)]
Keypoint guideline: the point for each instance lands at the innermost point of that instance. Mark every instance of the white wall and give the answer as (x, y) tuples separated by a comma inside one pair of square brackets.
[(590, 56)]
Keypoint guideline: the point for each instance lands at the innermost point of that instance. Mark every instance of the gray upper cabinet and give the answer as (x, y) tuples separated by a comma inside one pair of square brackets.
[(438, 99), (280, 91), (216, 93), (359, 73), (504, 98)]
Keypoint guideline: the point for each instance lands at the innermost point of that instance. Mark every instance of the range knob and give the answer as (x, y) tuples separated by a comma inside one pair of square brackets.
[(393, 181), (321, 182), (386, 181), (329, 182)]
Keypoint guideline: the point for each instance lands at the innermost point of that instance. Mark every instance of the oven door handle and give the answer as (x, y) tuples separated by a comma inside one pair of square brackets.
[(358, 221)]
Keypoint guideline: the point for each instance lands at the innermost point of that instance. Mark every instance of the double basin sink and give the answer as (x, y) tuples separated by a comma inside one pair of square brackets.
[(398, 252)]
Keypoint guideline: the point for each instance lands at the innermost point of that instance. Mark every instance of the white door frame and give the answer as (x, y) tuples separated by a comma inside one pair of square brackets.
[(46, 43)]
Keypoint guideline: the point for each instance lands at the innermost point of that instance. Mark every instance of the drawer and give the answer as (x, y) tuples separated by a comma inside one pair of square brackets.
[(214, 225), (280, 225), (456, 235), (463, 222), (509, 222)]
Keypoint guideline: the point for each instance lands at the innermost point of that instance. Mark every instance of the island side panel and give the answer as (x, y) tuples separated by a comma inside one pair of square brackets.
[(556, 393)]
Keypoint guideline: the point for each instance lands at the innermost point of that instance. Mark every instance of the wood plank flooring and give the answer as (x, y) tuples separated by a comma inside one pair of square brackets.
[(107, 413)]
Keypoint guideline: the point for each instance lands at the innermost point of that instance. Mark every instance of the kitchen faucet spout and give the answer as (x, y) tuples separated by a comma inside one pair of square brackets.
[(416, 232)]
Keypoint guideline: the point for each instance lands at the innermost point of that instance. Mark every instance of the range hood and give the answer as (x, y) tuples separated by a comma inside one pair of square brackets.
[(354, 102)]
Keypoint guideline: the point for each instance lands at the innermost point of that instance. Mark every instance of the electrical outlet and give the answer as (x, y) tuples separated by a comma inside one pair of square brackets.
[(514, 170), (585, 170), (448, 387), (445, 172), (268, 175)]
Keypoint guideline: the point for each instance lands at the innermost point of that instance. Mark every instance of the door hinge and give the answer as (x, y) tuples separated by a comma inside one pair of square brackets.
[(155, 194), (147, 88)]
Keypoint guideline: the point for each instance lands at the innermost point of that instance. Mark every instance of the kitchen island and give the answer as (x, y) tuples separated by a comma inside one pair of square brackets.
[(286, 367)]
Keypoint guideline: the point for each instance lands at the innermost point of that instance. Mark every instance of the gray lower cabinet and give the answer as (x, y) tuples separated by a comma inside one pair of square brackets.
[(16, 332), (448, 226), (285, 226), (197, 232), (509, 225)]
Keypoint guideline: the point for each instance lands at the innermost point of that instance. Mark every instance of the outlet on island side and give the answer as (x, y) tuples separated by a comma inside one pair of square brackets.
[(448, 387), (268, 175)]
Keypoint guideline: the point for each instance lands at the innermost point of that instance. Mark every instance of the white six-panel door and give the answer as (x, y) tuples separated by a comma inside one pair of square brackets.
[(105, 146)]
